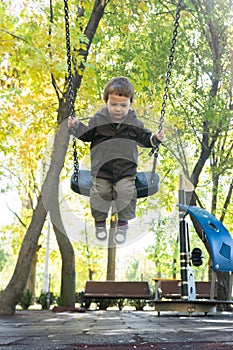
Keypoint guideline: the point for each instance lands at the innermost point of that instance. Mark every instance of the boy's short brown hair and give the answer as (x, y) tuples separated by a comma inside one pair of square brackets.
[(120, 86)]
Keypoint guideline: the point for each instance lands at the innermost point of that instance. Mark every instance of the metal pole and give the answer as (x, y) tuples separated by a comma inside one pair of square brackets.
[(183, 243), (188, 289), (46, 282)]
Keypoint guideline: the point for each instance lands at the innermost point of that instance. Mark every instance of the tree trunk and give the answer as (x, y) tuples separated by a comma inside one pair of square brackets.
[(66, 249), (223, 290), (11, 295), (67, 253), (111, 264), (31, 282), (67, 294), (214, 40)]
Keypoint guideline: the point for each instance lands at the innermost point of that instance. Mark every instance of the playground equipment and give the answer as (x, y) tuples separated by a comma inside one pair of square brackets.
[(183, 297), (219, 241)]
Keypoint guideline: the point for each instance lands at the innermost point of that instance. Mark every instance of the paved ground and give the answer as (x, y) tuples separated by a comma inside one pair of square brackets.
[(117, 330)]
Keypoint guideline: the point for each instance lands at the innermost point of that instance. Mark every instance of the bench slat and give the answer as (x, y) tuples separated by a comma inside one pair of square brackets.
[(115, 289)]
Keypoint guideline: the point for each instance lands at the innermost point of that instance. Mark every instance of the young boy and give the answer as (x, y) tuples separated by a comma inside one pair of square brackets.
[(114, 133)]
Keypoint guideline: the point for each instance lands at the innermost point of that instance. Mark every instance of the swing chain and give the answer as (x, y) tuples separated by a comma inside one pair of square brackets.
[(76, 162), (155, 149), (69, 60), (70, 85)]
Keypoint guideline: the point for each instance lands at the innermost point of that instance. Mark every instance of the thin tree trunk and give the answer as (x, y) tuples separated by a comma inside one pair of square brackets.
[(67, 253), (11, 294), (31, 282), (111, 265), (67, 294)]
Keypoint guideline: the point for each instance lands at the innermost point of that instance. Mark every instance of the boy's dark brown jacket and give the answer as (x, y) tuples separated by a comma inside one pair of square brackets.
[(114, 153)]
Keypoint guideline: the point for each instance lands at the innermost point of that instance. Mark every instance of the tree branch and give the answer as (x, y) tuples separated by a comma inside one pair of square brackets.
[(15, 214)]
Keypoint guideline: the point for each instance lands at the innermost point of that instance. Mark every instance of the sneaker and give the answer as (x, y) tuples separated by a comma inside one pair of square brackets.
[(121, 234), (100, 230)]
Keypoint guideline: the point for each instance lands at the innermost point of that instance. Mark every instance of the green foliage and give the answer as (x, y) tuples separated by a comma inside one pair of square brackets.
[(91, 263), (26, 299), (3, 258), (164, 253), (137, 303), (46, 300), (103, 304), (132, 271)]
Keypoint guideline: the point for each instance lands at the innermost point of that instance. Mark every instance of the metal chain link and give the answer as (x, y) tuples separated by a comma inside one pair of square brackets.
[(171, 59), (76, 162), (70, 85), (155, 149), (69, 60)]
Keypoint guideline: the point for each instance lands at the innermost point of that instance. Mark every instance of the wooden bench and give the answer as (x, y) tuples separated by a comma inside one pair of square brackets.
[(171, 289), (203, 290), (103, 292)]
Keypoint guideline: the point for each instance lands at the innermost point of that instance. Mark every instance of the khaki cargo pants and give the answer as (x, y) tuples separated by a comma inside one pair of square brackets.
[(121, 194)]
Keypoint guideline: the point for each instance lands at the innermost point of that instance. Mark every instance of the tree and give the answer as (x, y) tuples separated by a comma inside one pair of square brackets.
[(208, 110)]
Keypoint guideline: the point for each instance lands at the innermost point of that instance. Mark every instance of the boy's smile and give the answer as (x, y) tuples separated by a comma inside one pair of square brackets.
[(118, 107)]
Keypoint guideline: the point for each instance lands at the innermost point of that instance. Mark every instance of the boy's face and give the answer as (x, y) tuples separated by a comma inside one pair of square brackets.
[(118, 107)]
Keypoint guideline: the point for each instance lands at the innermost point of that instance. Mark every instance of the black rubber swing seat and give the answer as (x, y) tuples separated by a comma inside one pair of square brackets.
[(147, 183)]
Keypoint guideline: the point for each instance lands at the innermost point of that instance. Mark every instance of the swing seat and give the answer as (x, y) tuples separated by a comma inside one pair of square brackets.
[(147, 183)]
